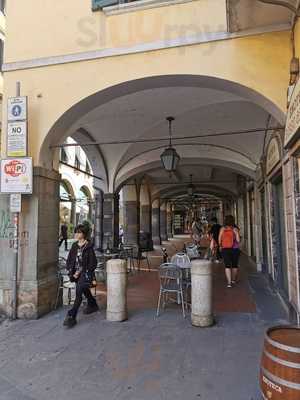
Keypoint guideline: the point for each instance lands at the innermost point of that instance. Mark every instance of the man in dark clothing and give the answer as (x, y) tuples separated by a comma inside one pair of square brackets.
[(63, 236), (214, 233)]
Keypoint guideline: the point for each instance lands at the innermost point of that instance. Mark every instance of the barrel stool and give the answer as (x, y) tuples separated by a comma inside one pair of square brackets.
[(280, 364)]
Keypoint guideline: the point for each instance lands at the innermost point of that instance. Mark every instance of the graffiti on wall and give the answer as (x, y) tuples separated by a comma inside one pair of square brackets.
[(6, 225), (7, 231)]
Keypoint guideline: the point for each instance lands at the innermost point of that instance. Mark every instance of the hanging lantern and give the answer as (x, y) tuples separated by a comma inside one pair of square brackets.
[(170, 158)]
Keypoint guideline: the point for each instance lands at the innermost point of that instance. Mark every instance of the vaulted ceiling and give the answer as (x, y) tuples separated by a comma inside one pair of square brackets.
[(132, 129)]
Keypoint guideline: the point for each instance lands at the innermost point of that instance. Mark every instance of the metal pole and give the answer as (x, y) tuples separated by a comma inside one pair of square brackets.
[(15, 272), (174, 138), (18, 89), (16, 247)]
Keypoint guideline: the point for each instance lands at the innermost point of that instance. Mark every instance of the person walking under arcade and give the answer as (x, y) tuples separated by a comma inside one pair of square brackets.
[(229, 242), (63, 236), (196, 231), (214, 237), (81, 264)]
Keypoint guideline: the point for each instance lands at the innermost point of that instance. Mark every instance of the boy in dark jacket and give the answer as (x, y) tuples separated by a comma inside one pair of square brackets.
[(81, 264)]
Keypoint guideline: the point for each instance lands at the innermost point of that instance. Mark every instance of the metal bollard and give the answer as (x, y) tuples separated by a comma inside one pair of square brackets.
[(202, 314), (116, 290)]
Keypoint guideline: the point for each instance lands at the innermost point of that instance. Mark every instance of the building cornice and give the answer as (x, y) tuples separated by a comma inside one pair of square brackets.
[(200, 38)]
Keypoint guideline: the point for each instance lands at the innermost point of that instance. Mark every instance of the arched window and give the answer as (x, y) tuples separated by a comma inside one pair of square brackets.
[(66, 202), (83, 205)]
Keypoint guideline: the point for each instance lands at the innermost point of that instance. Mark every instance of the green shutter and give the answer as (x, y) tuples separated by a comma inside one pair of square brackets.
[(99, 4)]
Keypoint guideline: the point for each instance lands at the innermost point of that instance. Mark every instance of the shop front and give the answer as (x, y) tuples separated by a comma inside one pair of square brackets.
[(292, 184), (277, 216)]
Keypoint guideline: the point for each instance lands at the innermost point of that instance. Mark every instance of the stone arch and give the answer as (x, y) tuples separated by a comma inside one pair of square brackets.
[(65, 123)]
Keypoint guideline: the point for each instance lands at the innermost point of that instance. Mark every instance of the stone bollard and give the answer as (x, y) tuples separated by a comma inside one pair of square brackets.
[(116, 290), (202, 293)]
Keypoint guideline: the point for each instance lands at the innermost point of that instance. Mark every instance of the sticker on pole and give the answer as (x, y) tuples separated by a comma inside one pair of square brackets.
[(15, 203), (17, 108), (17, 139), (16, 175)]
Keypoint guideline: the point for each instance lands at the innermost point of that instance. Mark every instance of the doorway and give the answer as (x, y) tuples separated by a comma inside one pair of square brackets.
[(264, 232), (281, 276), (252, 225)]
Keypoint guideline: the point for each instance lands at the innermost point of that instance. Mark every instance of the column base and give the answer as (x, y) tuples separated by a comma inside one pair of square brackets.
[(202, 321), (116, 316), (156, 240), (35, 299)]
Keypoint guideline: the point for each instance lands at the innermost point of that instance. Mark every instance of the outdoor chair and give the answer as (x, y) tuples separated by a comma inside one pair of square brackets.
[(138, 256), (126, 253), (183, 261), (170, 277), (63, 281), (192, 251), (100, 272)]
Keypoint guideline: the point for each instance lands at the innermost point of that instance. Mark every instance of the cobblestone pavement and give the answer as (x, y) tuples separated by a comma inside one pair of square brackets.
[(144, 358)]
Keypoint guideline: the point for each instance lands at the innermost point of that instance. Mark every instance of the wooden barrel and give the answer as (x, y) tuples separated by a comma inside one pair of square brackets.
[(280, 364)]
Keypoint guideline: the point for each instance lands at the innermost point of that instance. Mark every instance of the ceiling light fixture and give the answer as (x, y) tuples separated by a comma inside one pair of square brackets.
[(170, 157)]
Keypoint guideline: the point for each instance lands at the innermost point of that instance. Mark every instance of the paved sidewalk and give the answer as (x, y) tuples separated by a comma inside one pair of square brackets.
[(144, 358)]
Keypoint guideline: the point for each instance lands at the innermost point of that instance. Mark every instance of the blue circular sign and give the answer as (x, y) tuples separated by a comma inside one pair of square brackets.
[(16, 110)]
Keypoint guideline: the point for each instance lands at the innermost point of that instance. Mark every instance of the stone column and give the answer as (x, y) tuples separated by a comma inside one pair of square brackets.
[(131, 214), (98, 230), (110, 220), (202, 314), (116, 290), (73, 212), (145, 219), (163, 222), (38, 251), (169, 220), (156, 222)]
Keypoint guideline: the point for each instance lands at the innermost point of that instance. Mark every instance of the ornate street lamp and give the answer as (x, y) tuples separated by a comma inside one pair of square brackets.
[(169, 157)]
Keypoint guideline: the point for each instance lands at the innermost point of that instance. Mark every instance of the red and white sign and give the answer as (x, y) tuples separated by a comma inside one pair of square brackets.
[(16, 175)]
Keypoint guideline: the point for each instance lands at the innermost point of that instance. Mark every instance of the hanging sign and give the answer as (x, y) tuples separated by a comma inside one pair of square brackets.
[(15, 203), (16, 175), (293, 117), (17, 108), (273, 155), (17, 139)]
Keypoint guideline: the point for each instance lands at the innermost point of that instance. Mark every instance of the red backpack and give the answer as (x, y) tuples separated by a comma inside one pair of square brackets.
[(227, 238)]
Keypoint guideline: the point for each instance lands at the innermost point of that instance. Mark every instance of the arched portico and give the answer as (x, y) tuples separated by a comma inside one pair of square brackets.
[(133, 109)]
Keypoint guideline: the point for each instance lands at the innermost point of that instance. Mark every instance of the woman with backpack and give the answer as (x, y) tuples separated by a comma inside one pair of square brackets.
[(229, 242), (81, 265)]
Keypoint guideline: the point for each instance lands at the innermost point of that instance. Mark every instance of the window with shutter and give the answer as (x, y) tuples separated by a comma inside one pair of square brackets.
[(99, 4)]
